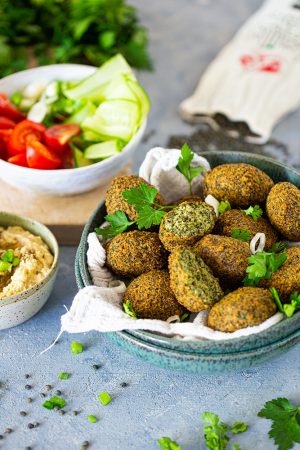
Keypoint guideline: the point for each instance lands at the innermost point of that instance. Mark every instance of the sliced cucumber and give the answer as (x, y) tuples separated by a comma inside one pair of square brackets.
[(141, 96), (104, 150), (79, 159), (112, 68), (91, 136), (86, 110)]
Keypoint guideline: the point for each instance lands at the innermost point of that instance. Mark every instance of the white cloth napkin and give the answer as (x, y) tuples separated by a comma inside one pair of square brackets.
[(99, 307), (159, 169), (255, 78)]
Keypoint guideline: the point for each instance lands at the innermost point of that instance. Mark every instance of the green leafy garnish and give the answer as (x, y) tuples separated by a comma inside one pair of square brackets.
[(287, 308), (54, 401), (254, 211), (285, 429), (223, 206), (92, 419), (241, 233), (104, 398), (184, 165), (184, 316), (216, 432), (76, 348), (166, 443), (150, 213), (8, 260), (129, 309), (64, 376), (279, 247), (262, 265)]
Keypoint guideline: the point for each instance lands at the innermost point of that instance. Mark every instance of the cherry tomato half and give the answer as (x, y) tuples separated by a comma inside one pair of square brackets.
[(19, 160), (20, 134), (6, 123), (40, 157), (7, 109), (58, 136)]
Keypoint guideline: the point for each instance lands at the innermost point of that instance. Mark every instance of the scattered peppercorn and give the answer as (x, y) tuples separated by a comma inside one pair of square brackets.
[(123, 385), (29, 400), (75, 413), (96, 366), (28, 386), (23, 413), (28, 448), (27, 375), (61, 412), (48, 387), (85, 445), (30, 426), (42, 395), (8, 430), (58, 392), (35, 424)]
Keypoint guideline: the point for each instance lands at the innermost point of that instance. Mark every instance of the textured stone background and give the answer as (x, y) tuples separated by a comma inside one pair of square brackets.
[(185, 36)]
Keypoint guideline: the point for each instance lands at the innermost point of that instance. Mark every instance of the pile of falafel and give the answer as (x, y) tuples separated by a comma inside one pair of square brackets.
[(190, 262)]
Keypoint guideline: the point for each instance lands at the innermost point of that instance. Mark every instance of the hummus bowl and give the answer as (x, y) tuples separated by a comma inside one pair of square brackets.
[(20, 307), (205, 356)]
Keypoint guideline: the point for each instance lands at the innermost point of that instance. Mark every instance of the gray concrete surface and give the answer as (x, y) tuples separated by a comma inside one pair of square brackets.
[(185, 36)]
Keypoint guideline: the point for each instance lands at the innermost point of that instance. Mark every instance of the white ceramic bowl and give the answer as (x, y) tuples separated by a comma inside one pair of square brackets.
[(21, 307), (67, 181)]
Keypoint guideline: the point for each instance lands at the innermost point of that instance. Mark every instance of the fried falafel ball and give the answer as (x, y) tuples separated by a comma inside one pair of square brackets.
[(186, 224), (227, 257), (245, 307), (115, 200), (188, 198), (283, 209), (151, 296), (192, 281), (241, 184), (286, 279), (235, 218), (135, 252)]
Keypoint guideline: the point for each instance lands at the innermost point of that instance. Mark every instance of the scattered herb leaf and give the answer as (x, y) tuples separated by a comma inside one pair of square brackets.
[(287, 308), (104, 398), (216, 432), (184, 165), (129, 309), (76, 347), (223, 206), (118, 224), (140, 196), (64, 376), (241, 233), (279, 247), (262, 265), (285, 429), (166, 443), (149, 216), (92, 419), (254, 211)]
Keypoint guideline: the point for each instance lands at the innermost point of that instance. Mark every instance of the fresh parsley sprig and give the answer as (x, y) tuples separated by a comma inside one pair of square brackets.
[(285, 429), (127, 306), (184, 165), (254, 211), (241, 233), (216, 432), (150, 213), (223, 206), (166, 443), (262, 265), (287, 308)]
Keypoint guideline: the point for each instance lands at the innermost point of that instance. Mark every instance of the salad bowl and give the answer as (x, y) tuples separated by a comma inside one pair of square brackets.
[(67, 181), (204, 356)]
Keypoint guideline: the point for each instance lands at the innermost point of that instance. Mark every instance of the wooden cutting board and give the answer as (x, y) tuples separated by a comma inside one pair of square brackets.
[(65, 216)]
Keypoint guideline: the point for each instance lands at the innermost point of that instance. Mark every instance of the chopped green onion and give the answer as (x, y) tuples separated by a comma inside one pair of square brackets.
[(64, 376), (47, 404), (76, 347), (58, 401), (5, 266), (104, 398), (16, 261), (93, 419), (8, 256)]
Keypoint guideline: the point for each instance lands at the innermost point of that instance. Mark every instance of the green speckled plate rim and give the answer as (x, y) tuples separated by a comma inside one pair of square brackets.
[(279, 172)]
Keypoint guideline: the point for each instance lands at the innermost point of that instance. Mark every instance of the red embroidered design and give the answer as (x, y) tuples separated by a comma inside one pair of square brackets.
[(261, 63)]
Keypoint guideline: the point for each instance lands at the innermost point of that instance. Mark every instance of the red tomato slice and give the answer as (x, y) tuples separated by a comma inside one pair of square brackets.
[(20, 134), (58, 136), (40, 157), (7, 109), (19, 160), (6, 123)]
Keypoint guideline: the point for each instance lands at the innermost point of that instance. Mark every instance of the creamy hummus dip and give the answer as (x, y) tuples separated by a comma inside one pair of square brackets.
[(35, 260)]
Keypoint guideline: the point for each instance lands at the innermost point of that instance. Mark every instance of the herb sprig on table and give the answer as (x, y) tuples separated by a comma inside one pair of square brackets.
[(287, 308), (150, 213), (216, 433), (184, 165), (166, 443), (262, 265)]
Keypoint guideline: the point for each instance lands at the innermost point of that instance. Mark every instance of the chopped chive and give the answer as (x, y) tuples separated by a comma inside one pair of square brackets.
[(104, 398), (93, 419), (76, 347), (47, 404), (58, 401), (64, 376)]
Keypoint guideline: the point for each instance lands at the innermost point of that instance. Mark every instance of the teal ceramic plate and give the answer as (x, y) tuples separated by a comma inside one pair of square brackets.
[(205, 353)]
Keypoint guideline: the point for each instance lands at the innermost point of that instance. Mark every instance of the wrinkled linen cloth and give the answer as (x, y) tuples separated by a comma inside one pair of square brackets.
[(255, 78), (99, 307), (159, 169)]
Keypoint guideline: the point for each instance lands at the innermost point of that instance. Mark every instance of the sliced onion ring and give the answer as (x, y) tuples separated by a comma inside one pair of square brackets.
[(212, 201), (259, 238)]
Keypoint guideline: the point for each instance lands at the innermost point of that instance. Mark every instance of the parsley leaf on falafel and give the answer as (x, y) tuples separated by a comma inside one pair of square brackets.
[(241, 233), (223, 206), (184, 165), (141, 196), (262, 265), (288, 308), (254, 211), (118, 223)]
